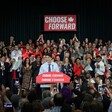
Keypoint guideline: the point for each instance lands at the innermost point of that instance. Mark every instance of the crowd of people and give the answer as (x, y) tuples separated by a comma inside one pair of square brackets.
[(88, 64)]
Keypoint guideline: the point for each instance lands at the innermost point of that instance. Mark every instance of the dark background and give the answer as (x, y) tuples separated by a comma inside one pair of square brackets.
[(23, 18)]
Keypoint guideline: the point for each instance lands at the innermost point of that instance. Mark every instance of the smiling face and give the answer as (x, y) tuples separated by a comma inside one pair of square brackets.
[(99, 59), (78, 61), (66, 60), (57, 58)]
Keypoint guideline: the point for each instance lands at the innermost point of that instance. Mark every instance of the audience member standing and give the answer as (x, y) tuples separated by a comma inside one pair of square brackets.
[(99, 67), (27, 72), (78, 67), (16, 53)]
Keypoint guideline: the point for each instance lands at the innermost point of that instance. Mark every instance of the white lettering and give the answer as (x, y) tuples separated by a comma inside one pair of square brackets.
[(56, 19), (46, 79), (46, 20), (46, 75), (74, 26), (58, 80), (66, 27), (69, 26), (57, 26), (57, 75), (53, 26), (50, 26), (60, 26)]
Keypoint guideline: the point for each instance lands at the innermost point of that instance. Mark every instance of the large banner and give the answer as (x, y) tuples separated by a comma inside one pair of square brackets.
[(60, 23)]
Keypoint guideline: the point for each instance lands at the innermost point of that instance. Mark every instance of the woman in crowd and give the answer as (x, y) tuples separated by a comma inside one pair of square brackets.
[(54, 52), (38, 52), (67, 68), (45, 51), (59, 62), (78, 67), (27, 72), (110, 55)]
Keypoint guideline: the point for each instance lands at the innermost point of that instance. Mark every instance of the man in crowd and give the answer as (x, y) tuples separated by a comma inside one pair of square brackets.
[(16, 53), (99, 67)]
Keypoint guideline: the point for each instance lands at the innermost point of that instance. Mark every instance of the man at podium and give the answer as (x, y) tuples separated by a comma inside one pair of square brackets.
[(48, 66)]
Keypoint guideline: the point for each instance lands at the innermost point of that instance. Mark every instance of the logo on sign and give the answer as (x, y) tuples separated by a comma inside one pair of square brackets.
[(70, 19)]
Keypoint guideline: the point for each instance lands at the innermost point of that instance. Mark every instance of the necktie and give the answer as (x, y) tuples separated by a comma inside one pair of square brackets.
[(49, 68)]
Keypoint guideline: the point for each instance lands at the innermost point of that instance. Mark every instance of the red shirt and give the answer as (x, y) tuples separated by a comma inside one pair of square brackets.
[(25, 53), (77, 69), (109, 57), (54, 55), (95, 49), (38, 53)]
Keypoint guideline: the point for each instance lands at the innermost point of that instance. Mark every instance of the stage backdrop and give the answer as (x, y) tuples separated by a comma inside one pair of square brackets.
[(23, 19)]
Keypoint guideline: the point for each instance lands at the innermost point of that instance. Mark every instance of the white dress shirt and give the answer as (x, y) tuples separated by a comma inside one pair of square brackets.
[(15, 54), (88, 68), (45, 68), (101, 68)]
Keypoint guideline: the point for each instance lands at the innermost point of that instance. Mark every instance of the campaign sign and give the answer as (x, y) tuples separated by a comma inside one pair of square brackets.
[(60, 23), (52, 77)]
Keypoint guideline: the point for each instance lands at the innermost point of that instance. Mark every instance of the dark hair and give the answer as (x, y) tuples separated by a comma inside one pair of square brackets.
[(49, 54), (46, 102), (86, 102), (9, 94), (88, 97), (77, 59), (15, 100), (66, 108), (58, 99), (27, 107), (46, 93), (37, 106), (96, 106), (32, 96), (25, 61), (99, 57), (85, 106)]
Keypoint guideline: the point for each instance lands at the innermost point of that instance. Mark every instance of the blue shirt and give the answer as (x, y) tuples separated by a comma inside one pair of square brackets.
[(56, 109), (45, 67)]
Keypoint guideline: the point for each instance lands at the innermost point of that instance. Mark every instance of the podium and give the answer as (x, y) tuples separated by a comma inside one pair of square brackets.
[(52, 78)]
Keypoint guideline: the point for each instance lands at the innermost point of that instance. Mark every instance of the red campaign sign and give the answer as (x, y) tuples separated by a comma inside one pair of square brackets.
[(52, 77), (60, 23)]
